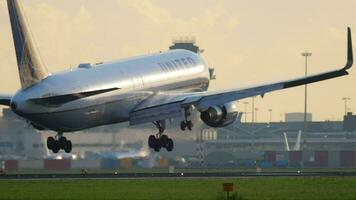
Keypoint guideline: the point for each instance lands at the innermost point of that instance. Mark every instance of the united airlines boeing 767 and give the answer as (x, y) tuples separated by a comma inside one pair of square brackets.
[(147, 89)]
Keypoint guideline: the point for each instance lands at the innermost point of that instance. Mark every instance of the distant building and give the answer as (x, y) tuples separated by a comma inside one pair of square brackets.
[(350, 122), (298, 117), (18, 139)]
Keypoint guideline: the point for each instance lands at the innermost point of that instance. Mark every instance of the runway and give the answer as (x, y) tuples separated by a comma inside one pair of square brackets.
[(171, 175)]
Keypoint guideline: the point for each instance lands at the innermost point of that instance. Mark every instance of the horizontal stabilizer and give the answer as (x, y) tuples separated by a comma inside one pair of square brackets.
[(5, 100)]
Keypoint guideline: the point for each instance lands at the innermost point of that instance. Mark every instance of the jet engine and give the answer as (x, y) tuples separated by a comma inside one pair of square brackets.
[(220, 116)]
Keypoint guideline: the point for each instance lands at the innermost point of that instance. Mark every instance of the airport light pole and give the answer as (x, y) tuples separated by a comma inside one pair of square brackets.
[(306, 55), (345, 99), (245, 103), (253, 110), (270, 115)]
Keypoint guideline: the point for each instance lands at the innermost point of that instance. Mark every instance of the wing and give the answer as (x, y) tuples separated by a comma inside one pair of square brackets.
[(5, 100), (62, 99), (163, 106)]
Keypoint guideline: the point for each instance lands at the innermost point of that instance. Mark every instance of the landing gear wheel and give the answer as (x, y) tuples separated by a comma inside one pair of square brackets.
[(62, 142), (170, 145), (164, 140), (157, 146), (152, 141), (55, 148), (183, 126), (187, 122), (68, 146), (59, 142), (50, 142), (190, 125)]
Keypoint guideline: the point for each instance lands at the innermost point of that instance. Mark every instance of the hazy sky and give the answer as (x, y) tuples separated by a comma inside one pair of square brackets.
[(248, 42)]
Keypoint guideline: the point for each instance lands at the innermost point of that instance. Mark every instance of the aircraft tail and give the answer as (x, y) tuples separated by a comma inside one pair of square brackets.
[(31, 69)]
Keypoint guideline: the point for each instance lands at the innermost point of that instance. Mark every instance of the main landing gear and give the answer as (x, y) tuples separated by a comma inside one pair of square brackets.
[(159, 140), (187, 123), (59, 142)]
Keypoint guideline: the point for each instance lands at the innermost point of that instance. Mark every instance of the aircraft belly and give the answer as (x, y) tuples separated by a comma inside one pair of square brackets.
[(83, 118)]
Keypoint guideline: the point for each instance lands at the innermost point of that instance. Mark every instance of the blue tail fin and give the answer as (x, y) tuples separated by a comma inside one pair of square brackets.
[(31, 69)]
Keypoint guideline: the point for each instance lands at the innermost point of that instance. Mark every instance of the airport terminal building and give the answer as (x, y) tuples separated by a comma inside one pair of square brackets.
[(277, 144)]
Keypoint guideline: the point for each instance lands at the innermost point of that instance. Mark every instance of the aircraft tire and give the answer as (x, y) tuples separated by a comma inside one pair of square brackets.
[(183, 126), (164, 140), (62, 143), (68, 146), (50, 142), (55, 148), (170, 145), (190, 125), (157, 147), (151, 141)]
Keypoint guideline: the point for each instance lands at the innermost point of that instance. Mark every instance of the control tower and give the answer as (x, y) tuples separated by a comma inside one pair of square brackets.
[(187, 43)]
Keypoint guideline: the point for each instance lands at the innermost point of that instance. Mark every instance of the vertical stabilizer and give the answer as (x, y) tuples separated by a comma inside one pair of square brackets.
[(31, 69)]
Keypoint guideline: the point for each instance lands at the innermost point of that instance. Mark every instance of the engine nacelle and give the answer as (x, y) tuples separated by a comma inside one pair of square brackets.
[(220, 116)]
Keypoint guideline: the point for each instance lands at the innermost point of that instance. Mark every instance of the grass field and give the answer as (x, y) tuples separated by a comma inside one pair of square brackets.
[(248, 188)]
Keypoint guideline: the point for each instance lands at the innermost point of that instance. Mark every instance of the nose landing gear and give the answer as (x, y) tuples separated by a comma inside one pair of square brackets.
[(58, 143)]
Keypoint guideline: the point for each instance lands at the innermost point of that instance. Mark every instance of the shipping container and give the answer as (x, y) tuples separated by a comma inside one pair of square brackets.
[(11, 165), (265, 164), (347, 159), (109, 164), (308, 156), (295, 164), (321, 158), (334, 159), (248, 163), (295, 156), (282, 163), (85, 164), (282, 155), (31, 164), (270, 156), (63, 164), (126, 163)]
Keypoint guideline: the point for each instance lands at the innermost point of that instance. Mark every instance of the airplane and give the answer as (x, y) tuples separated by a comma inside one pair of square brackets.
[(146, 89)]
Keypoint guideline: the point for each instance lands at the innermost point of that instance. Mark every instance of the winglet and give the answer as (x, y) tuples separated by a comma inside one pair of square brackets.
[(350, 56)]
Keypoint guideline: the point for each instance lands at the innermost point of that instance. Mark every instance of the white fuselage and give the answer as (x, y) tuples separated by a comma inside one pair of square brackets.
[(136, 79)]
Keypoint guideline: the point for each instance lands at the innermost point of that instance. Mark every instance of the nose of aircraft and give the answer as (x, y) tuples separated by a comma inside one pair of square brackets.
[(13, 105), (16, 102)]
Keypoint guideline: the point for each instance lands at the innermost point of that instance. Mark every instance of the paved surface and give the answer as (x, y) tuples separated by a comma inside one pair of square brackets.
[(171, 175)]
